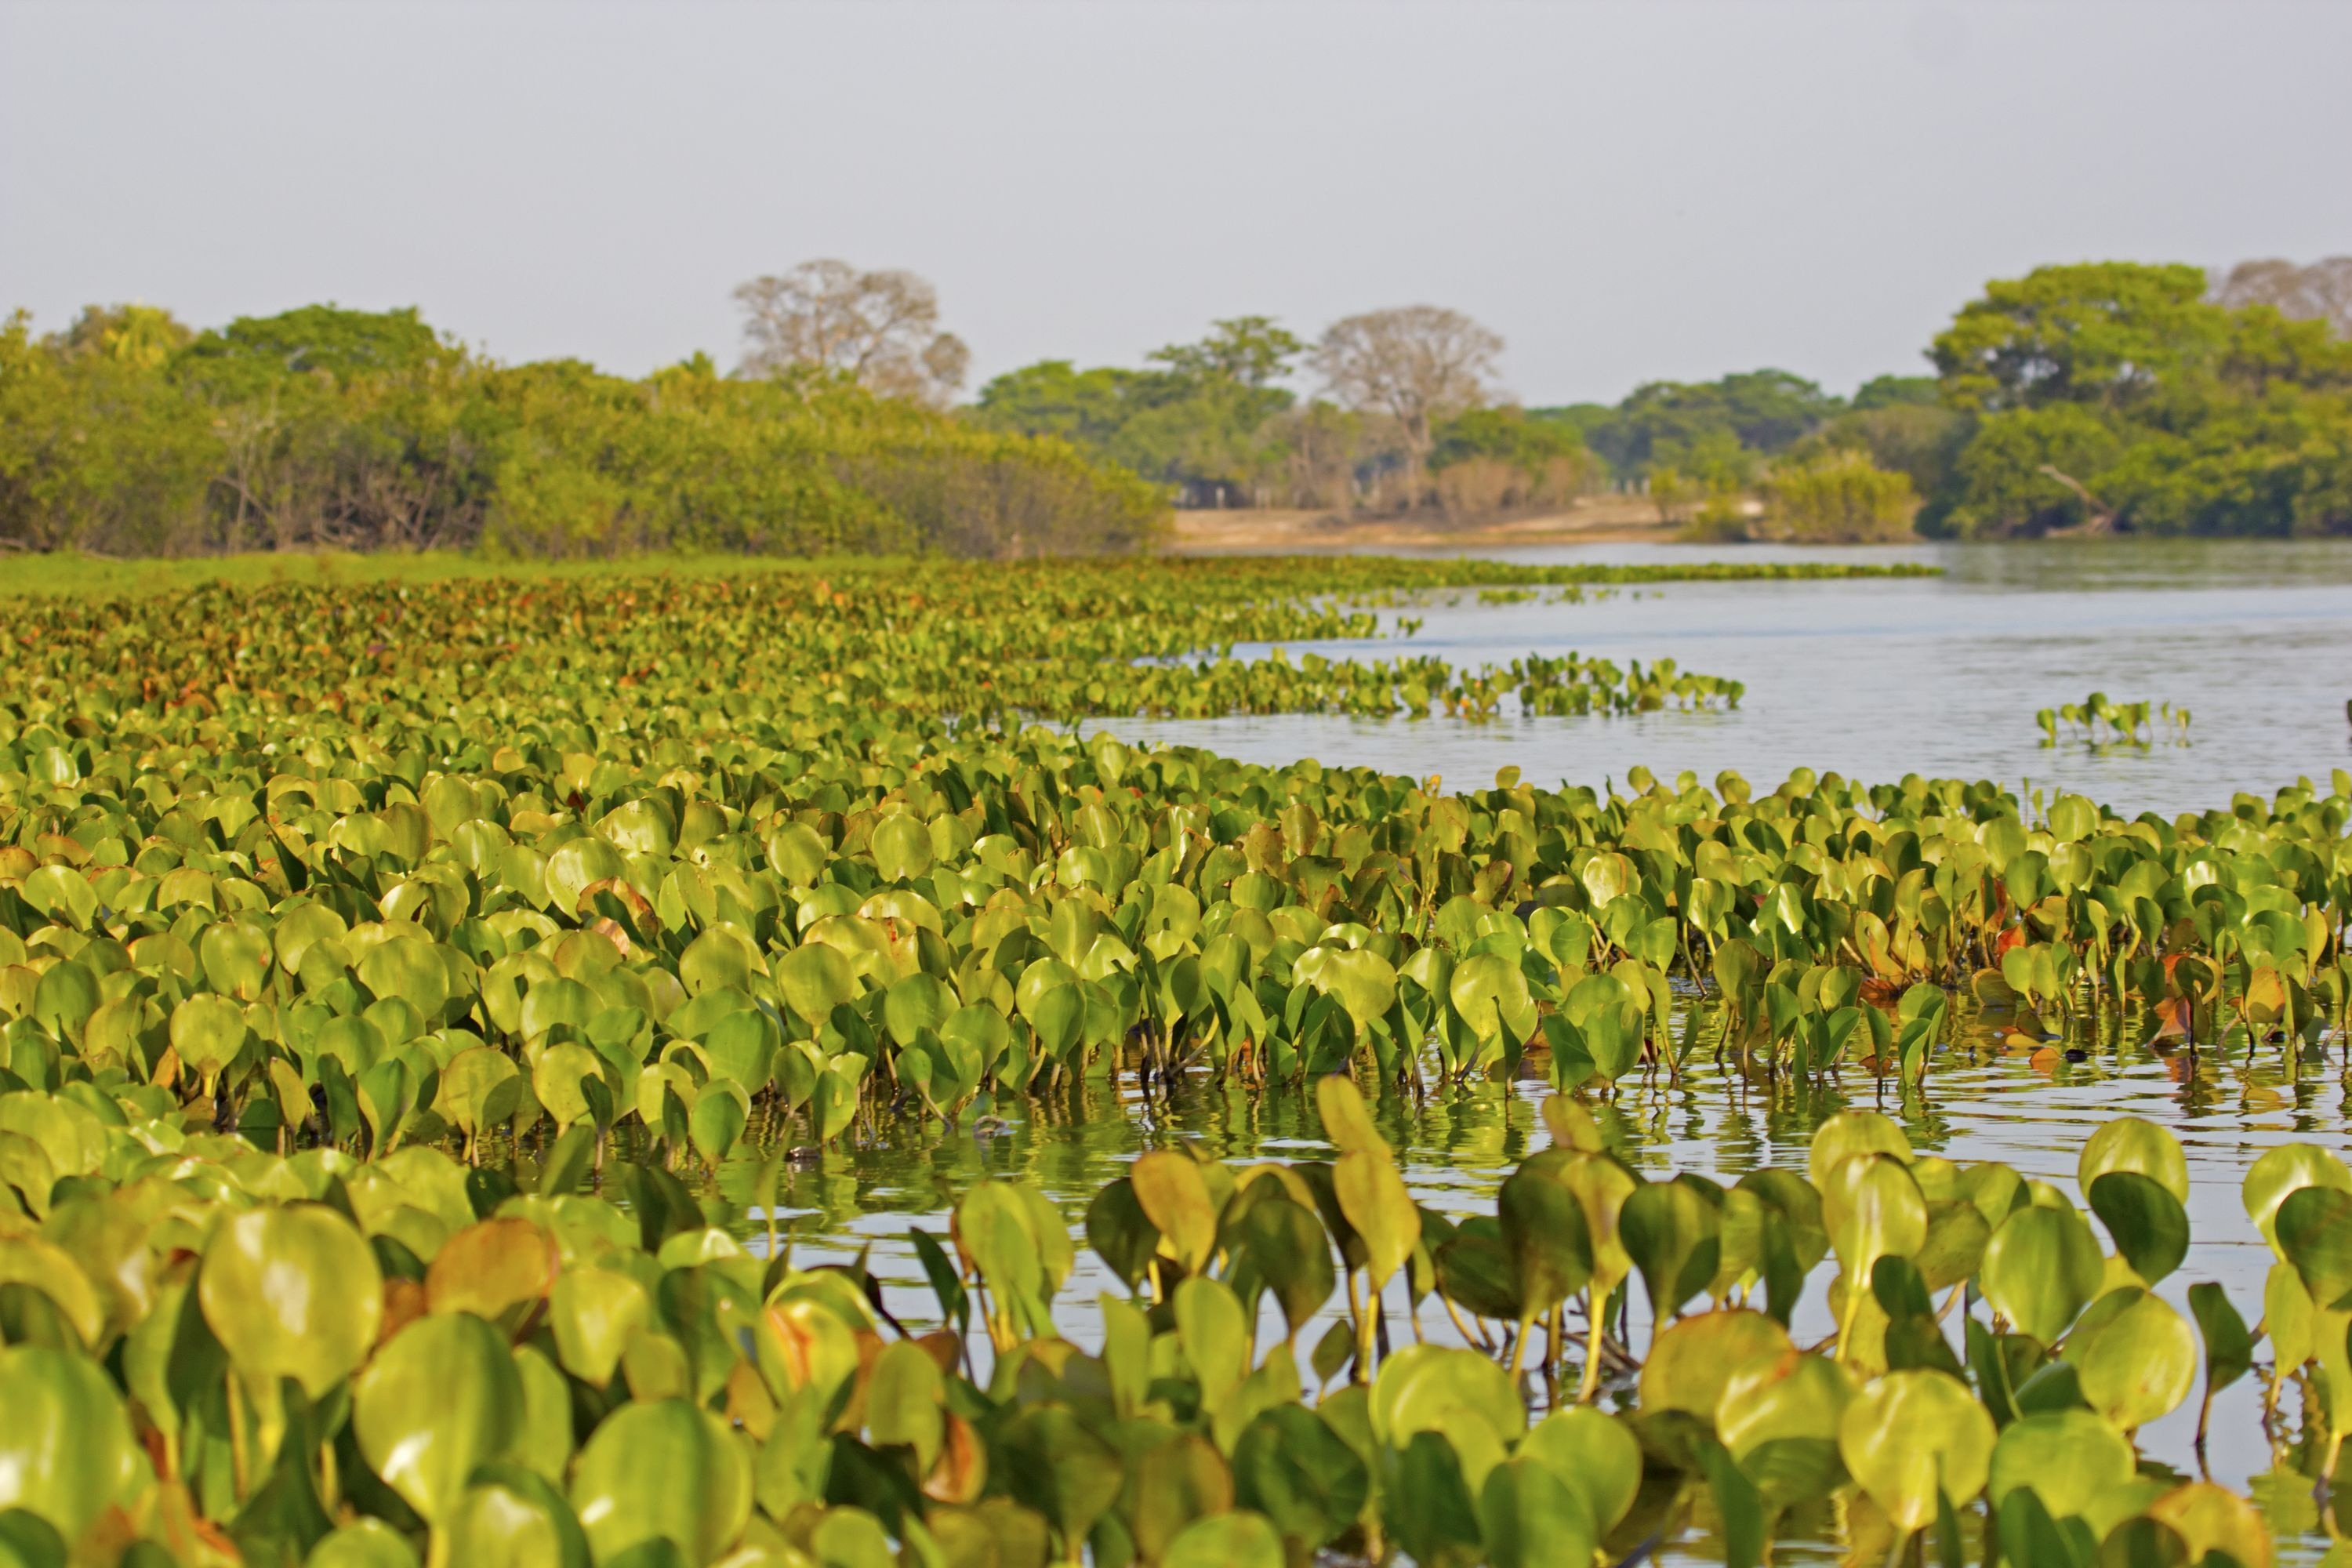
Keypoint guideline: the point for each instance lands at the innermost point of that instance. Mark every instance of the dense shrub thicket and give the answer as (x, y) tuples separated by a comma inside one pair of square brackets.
[(368, 430)]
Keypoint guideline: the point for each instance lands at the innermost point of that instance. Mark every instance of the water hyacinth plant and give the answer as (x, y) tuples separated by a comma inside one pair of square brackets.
[(388, 970)]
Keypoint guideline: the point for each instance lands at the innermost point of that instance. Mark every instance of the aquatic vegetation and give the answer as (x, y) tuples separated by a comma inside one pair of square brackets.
[(215, 1349), (387, 971), (2098, 720)]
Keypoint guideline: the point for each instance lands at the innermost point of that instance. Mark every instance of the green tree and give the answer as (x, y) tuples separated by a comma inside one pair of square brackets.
[(2108, 334), (1201, 422), (1663, 422), (1897, 392)]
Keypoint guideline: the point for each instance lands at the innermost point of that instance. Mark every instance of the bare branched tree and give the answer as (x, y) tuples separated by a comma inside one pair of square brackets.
[(880, 328), (1418, 365), (2319, 292)]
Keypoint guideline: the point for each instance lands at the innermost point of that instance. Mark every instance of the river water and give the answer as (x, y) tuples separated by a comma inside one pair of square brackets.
[(1873, 678)]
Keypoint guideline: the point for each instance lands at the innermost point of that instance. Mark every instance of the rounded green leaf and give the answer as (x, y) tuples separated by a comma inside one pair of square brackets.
[(2134, 1357), (797, 854), (291, 1291), (2041, 1269), (411, 971), (363, 1543), (902, 847), (442, 1398), (1290, 1465), (1490, 991), (66, 1448), (2311, 1228), (718, 960), (1362, 980), (2284, 1170), (207, 1032), (1457, 1394), (1851, 1132), (1174, 1197), (1545, 1236), (235, 958), (2065, 1458), (1912, 1437), (1060, 1469), (593, 1312), (666, 1470), (1673, 1234), (2144, 1220), (1872, 1209), (1236, 1540), (813, 979), (1692, 1362), (1532, 1517), (2134, 1143), (513, 1518), (1594, 1452)]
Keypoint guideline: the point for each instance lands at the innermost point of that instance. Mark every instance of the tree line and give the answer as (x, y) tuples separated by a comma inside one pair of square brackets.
[(2099, 397), (322, 427), (2096, 397)]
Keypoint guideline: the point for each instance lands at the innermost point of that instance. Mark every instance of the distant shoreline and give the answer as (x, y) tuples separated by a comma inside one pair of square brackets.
[(1599, 520)]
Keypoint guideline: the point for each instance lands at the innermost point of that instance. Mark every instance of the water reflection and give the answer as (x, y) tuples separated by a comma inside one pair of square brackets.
[(1981, 1101)]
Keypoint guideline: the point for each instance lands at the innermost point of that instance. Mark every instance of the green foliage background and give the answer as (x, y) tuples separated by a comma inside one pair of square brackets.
[(366, 430)]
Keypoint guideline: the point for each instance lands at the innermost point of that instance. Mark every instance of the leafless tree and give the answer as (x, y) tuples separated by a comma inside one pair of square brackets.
[(880, 328), (2319, 292), (1417, 365)]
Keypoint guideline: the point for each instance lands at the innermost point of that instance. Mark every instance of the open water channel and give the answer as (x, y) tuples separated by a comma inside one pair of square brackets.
[(1871, 678)]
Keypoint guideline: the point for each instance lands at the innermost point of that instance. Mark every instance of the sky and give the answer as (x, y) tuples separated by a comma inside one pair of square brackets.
[(1627, 192)]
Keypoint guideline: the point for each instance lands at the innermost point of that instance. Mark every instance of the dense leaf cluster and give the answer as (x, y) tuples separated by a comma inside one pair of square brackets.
[(387, 970)]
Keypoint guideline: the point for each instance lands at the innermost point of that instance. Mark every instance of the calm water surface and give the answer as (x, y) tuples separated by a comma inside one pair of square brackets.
[(1873, 678)]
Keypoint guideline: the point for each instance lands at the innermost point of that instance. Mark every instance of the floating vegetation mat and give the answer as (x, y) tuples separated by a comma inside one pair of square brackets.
[(389, 972)]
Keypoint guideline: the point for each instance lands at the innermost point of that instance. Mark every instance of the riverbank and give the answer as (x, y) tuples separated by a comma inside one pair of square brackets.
[(1594, 520)]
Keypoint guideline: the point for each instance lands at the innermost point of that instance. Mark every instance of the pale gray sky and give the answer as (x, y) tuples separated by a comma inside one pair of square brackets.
[(1624, 190)]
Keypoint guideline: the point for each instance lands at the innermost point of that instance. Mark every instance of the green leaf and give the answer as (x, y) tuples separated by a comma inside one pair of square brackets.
[(66, 1447), (2287, 1168), (1374, 1198), (1237, 1539), (1691, 1361), (2066, 1459), (1291, 1467), (901, 845), (2312, 1230), (1594, 1452), (442, 1398), (1469, 1399), (2041, 1269), (1174, 1197), (2135, 1144), (208, 1033), (664, 1470), (2146, 1221), (291, 1291), (1912, 1438), (2134, 1357), (513, 1518), (1530, 1517), (365, 1544), (1544, 1236), (813, 979), (2229, 1348), (1060, 1469), (1672, 1235)]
